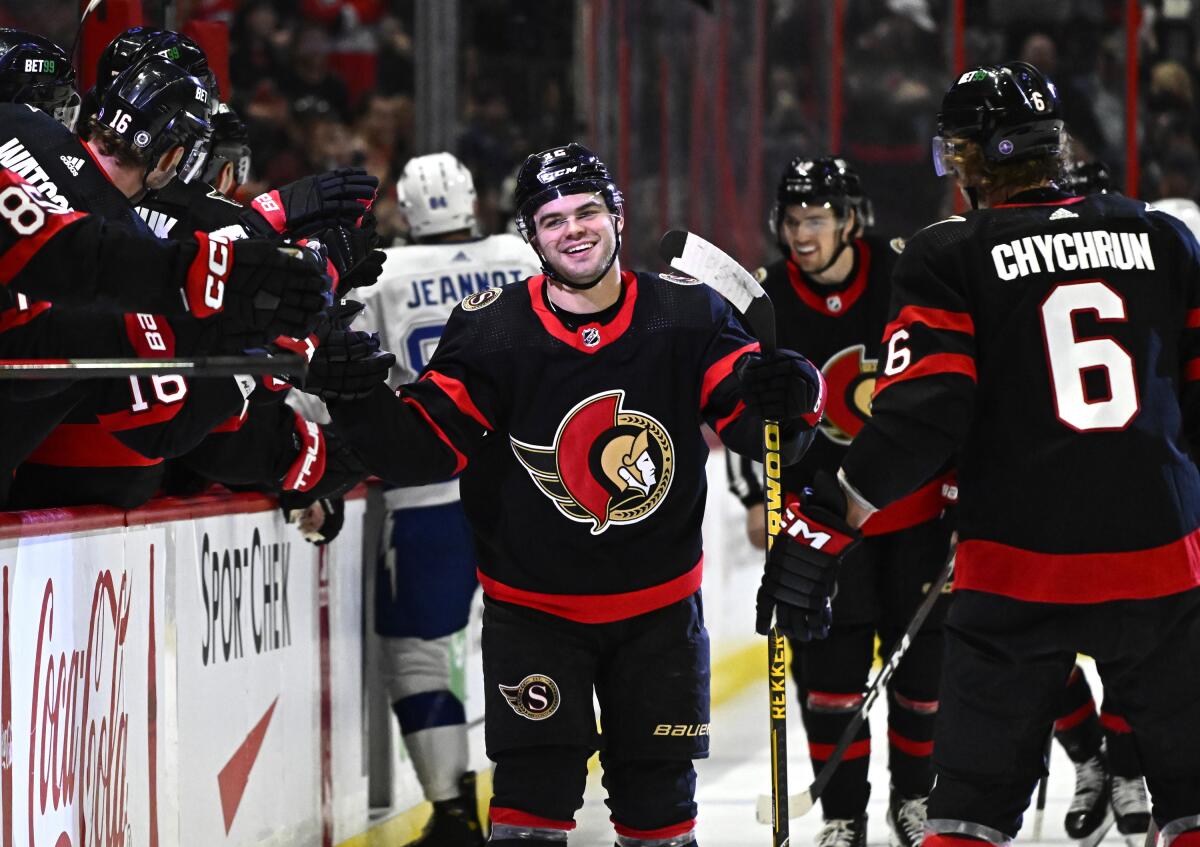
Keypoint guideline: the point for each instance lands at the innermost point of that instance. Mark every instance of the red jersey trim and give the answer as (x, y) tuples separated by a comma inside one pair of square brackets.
[(662, 833), (1193, 319), (609, 332), (515, 817), (230, 425), (1115, 723), (1067, 201), (731, 417), (938, 363), (919, 749), (460, 460), (86, 446), (158, 412), (846, 298), (18, 256), (1076, 717), (1192, 370), (924, 504), (270, 206), (458, 394), (932, 318), (599, 608), (1078, 577), (858, 750), (720, 369), (11, 318)]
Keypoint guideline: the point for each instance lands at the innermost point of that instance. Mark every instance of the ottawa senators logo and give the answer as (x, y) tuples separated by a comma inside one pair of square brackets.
[(606, 466), (850, 376), (535, 697)]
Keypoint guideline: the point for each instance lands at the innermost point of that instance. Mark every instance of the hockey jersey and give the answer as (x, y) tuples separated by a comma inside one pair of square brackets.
[(580, 449), (410, 304), (1053, 343), (838, 328)]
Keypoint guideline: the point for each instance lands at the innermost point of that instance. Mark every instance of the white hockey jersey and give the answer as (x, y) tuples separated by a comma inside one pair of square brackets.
[(419, 287)]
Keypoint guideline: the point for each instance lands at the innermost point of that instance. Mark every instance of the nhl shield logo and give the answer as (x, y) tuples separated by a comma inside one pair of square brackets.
[(534, 698), (590, 336), (834, 303), (850, 376), (608, 465)]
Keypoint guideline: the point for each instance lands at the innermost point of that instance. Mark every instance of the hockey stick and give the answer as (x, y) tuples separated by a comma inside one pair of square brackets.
[(705, 262), (1043, 786), (203, 366), (801, 803)]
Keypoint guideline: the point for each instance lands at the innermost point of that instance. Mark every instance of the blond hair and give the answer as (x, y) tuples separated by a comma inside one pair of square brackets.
[(1004, 178)]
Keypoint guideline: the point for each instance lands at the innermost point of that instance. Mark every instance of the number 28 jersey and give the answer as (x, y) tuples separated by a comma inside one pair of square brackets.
[(1052, 344), (409, 306)]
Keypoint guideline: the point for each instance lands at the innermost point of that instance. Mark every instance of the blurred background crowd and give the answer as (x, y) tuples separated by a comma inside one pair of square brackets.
[(698, 103)]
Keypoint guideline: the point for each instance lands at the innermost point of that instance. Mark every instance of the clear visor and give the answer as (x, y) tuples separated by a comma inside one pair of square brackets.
[(941, 149), (195, 157), (67, 113)]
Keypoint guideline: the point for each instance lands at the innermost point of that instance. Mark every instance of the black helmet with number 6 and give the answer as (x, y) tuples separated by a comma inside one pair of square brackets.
[(37, 71), (155, 106), (1011, 111), (559, 172)]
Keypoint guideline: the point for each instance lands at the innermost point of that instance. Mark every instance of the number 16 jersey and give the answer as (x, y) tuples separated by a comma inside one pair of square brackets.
[(1052, 345)]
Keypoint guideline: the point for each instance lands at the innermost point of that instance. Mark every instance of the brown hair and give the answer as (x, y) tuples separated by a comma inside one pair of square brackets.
[(1006, 178), (111, 144)]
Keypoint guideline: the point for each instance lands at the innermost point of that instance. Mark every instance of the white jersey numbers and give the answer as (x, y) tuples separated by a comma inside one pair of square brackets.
[(1071, 359)]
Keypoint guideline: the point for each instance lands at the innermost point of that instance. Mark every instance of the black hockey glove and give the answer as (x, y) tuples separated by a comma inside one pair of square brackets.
[(324, 465), (799, 581), (314, 203), (261, 290), (347, 364), (298, 509), (354, 254), (782, 386)]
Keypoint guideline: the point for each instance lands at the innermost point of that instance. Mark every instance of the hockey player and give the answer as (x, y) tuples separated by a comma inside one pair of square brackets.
[(426, 578), (571, 403), (831, 291), (1050, 342)]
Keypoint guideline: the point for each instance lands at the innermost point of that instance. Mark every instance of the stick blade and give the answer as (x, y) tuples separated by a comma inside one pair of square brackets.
[(799, 805)]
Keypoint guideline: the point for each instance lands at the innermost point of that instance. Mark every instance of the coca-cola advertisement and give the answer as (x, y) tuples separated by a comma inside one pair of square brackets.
[(79, 680)]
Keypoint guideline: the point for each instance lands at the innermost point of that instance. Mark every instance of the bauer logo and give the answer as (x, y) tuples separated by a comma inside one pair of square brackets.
[(681, 730), (534, 698), (608, 464)]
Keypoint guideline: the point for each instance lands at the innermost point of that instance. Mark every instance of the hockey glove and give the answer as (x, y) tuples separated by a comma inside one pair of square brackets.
[(260, 289), (319, 521), (324, 465), (354, 254), (799, 581), (782, 386), (347, 364), (314, 203)]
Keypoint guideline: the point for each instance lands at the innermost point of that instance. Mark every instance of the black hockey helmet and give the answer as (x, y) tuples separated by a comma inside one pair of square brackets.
[(156, 105), (826, 181), (1011, 110), (37, 71), (1085, 178), (560, 172), (230, 144)]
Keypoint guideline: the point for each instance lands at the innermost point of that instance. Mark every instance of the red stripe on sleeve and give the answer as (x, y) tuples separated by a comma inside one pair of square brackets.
[(731, 417), (457, 392), (87, 446), (1115, 723), (720, 369), (1076, 717), (459, 459), (938, 363), (11, 318), (932, 318)]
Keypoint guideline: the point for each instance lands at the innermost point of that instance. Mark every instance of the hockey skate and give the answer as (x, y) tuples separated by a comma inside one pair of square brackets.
[(455, 822), (843, 832), (1131, 808), (906, 820), (1089, 817)]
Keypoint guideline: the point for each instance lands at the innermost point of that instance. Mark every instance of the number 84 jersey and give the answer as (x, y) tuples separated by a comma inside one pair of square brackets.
[(1052, 345), (409, 306)]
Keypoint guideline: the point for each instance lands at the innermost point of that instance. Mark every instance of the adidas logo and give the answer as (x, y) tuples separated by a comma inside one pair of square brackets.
[(73, 163), (1062, 214), (461, 257)]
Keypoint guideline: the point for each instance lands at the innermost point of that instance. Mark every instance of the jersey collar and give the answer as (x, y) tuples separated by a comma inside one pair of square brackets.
[(833, 301), (1039, 197), (589, 337)]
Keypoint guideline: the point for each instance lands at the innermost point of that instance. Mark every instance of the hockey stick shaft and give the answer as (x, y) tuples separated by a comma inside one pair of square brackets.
[(801, 803), (705, 262), (204, 366)]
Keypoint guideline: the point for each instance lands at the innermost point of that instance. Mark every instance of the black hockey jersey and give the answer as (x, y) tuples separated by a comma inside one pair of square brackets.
[(581, 451), (838, 328), (180, 209), (1053, 342)]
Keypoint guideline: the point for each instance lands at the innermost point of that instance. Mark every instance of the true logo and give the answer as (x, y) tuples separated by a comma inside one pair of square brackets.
[(607, 465), (534, 698)]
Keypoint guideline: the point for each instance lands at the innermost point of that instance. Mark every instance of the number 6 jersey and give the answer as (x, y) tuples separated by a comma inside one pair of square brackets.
[(1052, 345)]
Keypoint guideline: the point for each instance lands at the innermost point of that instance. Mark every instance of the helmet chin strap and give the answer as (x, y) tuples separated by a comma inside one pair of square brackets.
[(972, 195)]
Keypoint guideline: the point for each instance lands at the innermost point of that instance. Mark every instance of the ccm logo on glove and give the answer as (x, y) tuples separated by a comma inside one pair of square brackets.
[(208, 274)]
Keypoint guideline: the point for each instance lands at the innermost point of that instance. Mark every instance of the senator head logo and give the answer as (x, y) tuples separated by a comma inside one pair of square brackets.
[(608, 465), (535, 697), (850, 376)]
